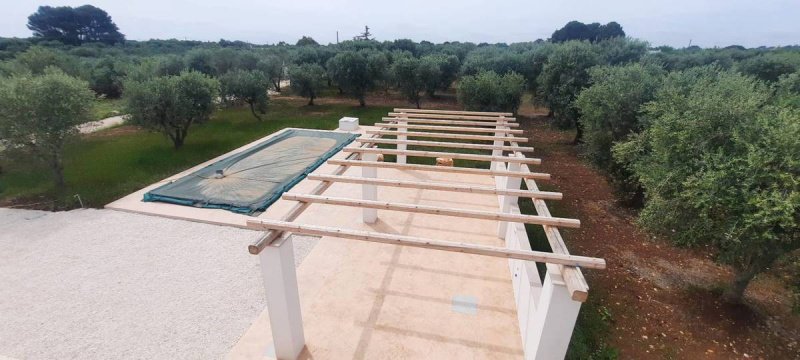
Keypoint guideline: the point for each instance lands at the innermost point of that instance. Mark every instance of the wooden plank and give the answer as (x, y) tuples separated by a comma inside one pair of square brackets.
[(453, 112), (439, 186), (456, 145), (444, 169), (447, 135), (449, 128), (424, 209), (451, 122), (413, 241), (436, 154)]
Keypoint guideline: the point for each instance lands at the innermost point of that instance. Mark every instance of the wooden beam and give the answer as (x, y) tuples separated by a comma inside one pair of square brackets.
[(447, 135), (451, 122), (404, 240), (438, 186), (450, 128), (435, 154), (424, 209), (444, 169), (453, 112), (455, 145)]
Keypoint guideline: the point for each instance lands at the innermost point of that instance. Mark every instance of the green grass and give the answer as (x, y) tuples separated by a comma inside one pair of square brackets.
[(104, 108), (103, 168)]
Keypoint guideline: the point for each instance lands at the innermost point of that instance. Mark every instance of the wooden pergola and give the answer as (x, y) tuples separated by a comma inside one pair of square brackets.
[(554, 306)]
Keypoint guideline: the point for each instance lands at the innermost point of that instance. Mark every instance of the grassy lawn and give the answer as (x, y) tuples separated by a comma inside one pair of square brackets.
[(103, 168), (104, 108)]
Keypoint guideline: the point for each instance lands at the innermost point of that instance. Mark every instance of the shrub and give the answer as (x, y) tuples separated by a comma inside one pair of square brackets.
[(488, 91), (610, 111), (721, 167), (769, 66)]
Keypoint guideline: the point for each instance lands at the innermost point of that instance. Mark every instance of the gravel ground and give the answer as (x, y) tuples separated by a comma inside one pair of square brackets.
[(100, 284), (98, 125)]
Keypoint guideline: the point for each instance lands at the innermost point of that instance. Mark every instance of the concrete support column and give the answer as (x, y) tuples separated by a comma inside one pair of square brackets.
[(369, 192), (283, 299), (550, 329)]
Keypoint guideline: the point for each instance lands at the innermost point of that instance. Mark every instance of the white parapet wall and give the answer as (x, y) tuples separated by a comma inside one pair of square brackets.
[(545, 309)]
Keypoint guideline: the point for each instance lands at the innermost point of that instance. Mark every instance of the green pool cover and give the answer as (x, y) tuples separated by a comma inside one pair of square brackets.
[(250, 181)]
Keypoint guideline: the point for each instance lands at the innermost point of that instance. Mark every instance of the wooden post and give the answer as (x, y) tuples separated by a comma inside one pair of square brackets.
[(508, 183), (369, 191), (551, 323), (283, 299), (401, 159)]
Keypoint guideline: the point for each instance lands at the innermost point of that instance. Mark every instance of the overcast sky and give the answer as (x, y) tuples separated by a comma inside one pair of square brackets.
[(676, 22)]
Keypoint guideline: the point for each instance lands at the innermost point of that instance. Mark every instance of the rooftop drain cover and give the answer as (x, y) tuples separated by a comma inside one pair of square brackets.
[(250, 181)]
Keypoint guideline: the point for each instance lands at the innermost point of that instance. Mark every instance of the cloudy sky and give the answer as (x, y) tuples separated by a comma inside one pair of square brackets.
[(676, 22)]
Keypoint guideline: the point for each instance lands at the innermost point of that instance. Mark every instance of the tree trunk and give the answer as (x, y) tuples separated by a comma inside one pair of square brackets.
[(253, 110), (178, 138), (578, 133), (550, 113), (57, 167), (361, 101), (735, 292), (417, 102), (311, 101)]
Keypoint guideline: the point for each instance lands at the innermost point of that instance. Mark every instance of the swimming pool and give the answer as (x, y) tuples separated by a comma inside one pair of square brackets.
[(249, 181)]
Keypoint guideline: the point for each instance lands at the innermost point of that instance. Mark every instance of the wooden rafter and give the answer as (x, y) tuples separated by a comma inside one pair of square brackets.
[(437, 154), (455, 145), (451, 122), (449, 128), (453, 112), (439, 186), (403, 240), (424, 209), (444, 169), (437, 135)]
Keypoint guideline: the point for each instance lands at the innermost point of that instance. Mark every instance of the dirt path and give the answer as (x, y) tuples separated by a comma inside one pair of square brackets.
[(662, 299)]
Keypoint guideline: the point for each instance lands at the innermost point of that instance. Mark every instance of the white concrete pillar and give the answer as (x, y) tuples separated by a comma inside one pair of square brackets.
[(369, 192), (506, 201), (283, 299), (401, 159), (550, 328)]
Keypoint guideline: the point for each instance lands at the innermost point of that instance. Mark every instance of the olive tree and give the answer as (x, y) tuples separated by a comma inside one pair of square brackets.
[(720, 167), (564, 75), (408, 78), (610, 112), (40, 114), (171, 104), (429, 72), (272, 66), (488, 91), (307, 80), (246, 86), (351, 71)]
